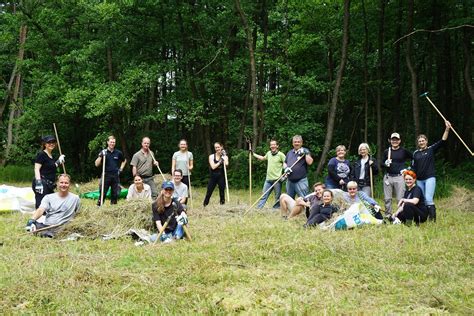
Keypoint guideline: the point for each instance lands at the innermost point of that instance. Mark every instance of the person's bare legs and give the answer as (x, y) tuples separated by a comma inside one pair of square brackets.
[(286, 204), (297, 209)]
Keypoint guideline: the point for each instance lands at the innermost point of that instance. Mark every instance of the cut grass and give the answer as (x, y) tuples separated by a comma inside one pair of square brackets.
[(256, 264)]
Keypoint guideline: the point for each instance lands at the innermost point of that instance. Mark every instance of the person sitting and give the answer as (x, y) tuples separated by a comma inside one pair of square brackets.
[(168, 214), (180, 188), (58, 208), (291, 208), (322, 211), (353, 196), (412, 206), (139, 190)]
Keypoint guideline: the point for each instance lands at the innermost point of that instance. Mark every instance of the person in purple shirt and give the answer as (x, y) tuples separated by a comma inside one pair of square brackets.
[(423, 164), (339, 170), (297, 175)]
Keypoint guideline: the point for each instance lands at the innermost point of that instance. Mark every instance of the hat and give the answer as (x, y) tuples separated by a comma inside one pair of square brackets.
[(48, 139), (167, 185), (395, 135)]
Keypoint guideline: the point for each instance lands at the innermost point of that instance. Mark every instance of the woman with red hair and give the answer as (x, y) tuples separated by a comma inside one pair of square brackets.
[(411, 208)]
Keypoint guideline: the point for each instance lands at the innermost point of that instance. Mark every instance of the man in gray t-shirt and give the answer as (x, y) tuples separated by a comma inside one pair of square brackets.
[(180, 189), (58, 208)]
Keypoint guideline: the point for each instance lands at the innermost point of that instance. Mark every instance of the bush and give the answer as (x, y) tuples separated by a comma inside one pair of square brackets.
[(10, 174)]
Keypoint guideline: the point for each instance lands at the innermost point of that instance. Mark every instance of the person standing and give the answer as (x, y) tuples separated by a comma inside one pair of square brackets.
[(339, 170), (395, 158), (45, 169), (58, 208), (275, 159), (183, 159), (216, 173), (297, 179), (423, 164), (114, 164), (360, 172), (142, 164)]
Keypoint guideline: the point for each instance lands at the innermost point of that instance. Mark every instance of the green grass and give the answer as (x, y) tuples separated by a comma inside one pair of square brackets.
[(13, 174), (256, 264)]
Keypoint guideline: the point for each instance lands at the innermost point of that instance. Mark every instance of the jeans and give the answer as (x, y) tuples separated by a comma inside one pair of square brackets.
[(178, 233), (428, 187), (300, 187), (266, 187)]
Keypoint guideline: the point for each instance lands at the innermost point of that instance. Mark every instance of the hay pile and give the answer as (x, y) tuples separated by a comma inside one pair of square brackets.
[(461, 199), (93, 221)]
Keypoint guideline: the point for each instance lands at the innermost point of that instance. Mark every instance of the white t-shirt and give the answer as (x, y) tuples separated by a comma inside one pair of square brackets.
[(180, 190), (59, 210), (182, 161), (134, 194)]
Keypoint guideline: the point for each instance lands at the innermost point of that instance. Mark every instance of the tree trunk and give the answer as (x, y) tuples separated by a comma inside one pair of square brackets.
[(261, 75), (14, 104), (408, 57), (366, 73), (380, 70), (253, 72), (335, 95)]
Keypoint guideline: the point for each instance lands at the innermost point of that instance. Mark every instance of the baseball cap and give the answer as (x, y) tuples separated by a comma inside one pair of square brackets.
[(395, 135), (48, 139), (167, 185)]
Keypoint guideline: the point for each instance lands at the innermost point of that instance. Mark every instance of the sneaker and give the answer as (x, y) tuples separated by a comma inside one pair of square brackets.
[(30, 225), (167, 240), (396, 221)]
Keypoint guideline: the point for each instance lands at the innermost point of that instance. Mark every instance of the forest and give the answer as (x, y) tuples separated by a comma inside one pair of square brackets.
[(233, 71)]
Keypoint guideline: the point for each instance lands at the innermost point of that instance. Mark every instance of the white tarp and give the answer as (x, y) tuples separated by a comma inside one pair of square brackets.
[(16, 199)]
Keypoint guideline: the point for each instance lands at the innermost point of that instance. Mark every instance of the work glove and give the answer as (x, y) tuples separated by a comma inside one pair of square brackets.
[(388, 162), (221, 161), (223, 153), (303, 151), (102, 153), (284, 178), (60, 160), (182, 219), (39, 186), (288, 170), (30, 225), (402, 172)]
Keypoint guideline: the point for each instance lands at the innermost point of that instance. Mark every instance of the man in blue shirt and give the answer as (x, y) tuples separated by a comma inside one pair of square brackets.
[(297, 179), (114, 164)]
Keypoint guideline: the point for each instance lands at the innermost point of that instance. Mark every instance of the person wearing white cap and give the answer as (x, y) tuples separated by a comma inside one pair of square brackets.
[(395, 159)]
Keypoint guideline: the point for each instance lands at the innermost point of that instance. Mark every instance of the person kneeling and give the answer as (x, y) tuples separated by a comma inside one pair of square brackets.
[(168, 214), (322, 212), (411, 208), (58, 208)]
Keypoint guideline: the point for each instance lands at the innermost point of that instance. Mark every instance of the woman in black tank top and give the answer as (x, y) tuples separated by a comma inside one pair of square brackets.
[(216, 176)]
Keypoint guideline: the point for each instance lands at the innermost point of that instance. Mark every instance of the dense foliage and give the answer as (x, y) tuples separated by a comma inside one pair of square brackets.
[(180, 69)]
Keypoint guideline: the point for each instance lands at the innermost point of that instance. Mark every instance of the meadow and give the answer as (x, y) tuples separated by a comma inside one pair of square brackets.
[(256, 264)]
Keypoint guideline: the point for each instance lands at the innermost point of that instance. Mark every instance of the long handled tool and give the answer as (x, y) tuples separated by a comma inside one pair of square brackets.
[(250, 171), (371, 179), (452, 128), (158, 165), (270, 188), (189, 180), (163, 227), (59, 145), (226, 183), (102, 184)]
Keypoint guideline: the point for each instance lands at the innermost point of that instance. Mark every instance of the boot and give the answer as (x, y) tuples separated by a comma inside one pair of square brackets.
[(431, 212)]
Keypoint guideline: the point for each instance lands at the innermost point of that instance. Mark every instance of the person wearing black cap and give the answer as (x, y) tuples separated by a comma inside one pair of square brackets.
[(164, 209), (114, 164), (395, 158), (45, 169)]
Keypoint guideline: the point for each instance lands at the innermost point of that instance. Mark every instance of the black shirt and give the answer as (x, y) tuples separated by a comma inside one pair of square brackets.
[(113, 160), (169, 210), (48, 166), (423, 161), (415, 192), (399, 158)]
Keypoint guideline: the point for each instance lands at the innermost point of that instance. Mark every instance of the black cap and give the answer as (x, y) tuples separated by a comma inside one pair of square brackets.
[(48, 139)]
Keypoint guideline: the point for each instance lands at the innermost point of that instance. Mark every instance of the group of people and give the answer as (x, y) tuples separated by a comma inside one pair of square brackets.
[(413, 188)]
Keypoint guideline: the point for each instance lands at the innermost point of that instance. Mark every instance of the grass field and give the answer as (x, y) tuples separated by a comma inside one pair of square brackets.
[(253, 265)]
